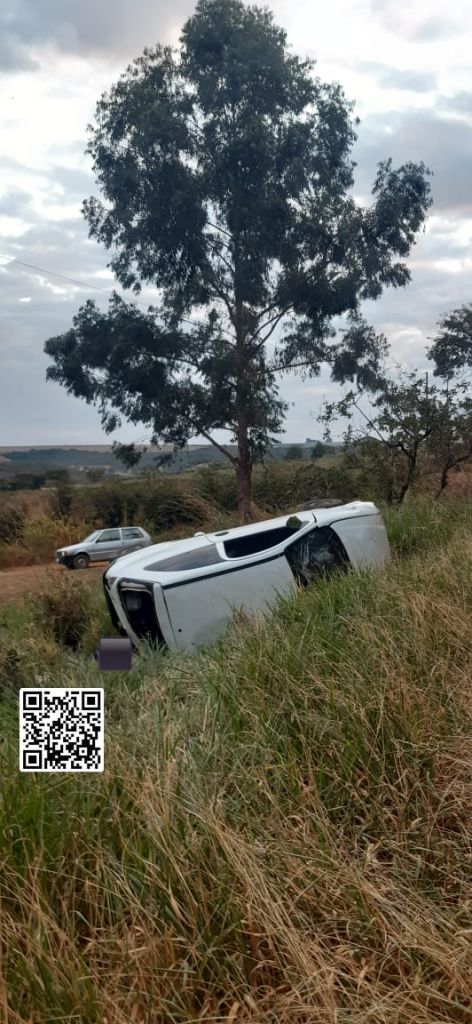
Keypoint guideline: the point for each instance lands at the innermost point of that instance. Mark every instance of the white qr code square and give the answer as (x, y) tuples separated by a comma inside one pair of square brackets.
[(61, 730)]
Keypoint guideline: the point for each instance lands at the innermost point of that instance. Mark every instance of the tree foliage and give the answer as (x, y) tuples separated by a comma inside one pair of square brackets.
[(452, 347), (408, 418), (224, 173)]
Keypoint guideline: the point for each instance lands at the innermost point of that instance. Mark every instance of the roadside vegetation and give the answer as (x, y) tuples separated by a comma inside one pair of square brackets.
[(173, 506), (282, 830)]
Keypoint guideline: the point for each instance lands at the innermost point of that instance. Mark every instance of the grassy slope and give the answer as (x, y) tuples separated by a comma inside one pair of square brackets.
[(282, 832)]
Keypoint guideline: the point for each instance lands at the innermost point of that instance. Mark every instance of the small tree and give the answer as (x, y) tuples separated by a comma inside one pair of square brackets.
[(404, 415), (225, 178), (450, 442)]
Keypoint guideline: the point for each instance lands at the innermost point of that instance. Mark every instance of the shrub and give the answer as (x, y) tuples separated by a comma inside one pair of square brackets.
[(12, 522), (217, 484), (24, 657), (70, 612)]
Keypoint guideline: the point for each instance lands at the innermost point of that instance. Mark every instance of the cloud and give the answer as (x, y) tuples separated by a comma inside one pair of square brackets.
[(111, 28), (398, 78), (16, 202), (13, 53), (405, 18), (458, 103), (432, 29), (444, 144)]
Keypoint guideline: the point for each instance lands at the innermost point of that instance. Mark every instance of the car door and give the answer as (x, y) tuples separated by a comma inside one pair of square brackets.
[(108, 545), (133, 539)]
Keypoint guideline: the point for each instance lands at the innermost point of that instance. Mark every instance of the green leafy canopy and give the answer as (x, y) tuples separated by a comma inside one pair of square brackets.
[(224, 175)]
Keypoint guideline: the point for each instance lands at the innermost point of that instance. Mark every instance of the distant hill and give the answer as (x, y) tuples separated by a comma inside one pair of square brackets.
[(78, 459)]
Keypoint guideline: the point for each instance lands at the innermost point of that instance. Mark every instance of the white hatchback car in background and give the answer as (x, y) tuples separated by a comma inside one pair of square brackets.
[(182, 594)]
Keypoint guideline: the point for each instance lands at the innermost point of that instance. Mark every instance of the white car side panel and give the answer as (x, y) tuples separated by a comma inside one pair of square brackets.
[(365, 540), (201, 610)]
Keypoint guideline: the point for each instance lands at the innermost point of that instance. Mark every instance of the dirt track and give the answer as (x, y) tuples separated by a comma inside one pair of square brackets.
[(19, 582)]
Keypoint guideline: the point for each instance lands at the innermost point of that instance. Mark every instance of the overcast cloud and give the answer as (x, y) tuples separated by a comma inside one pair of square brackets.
[(405, 63)]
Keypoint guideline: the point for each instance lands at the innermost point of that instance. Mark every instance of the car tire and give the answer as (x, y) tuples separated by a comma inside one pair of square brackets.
[(81, 561)]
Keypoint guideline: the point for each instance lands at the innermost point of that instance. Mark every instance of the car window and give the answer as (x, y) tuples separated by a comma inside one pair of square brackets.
[(252, 543), (91, 537), (316, 554), (107, 535), (196, 559), (131, 532)]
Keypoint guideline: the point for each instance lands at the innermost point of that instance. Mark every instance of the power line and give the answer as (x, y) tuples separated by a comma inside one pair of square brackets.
[(81, 284), (52, 273)]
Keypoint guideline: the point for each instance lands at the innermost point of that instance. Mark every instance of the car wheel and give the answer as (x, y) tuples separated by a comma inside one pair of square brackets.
[(81, 561)]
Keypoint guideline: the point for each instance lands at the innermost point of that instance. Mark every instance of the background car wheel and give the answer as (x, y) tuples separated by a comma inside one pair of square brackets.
[(81, 561)]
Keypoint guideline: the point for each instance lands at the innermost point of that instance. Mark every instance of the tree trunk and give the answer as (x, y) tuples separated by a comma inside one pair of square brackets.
[(243, 471), (409, 478), (443, 482), (244, 487), (244, 461)]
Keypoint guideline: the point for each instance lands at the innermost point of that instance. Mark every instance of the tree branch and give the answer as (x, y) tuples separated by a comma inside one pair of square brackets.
[(225, 261), (219, 228), (287, 366), (274, 321), (220, 447)]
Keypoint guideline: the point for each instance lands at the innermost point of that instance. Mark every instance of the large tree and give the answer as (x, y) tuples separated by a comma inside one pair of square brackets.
[(225, 174)]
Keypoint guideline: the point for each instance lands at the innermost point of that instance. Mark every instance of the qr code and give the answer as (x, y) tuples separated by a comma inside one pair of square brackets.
[(61, 730)]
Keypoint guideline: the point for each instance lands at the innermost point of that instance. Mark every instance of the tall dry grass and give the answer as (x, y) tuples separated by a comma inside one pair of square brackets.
[(282, 831)]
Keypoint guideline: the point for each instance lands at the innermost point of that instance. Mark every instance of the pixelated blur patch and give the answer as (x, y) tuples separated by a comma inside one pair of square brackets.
[(115, 654), (61, 730)]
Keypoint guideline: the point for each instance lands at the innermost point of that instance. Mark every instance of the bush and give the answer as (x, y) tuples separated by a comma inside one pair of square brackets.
[(25, 656), (284, 486), (12, 523), (62, 501), (70, 612), (217, 484), (114, 504)]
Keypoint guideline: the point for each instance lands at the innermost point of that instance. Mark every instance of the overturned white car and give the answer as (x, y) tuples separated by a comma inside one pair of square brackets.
[(182, 594)]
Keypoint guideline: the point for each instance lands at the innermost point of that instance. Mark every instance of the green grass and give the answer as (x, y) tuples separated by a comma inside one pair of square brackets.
[(282, 830)]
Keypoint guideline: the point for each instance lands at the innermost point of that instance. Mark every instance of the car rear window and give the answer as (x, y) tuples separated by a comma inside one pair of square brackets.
[(195, 559), (132, 531)]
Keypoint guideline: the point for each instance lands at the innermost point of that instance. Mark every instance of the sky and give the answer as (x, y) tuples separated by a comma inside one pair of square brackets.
[(406, 63)]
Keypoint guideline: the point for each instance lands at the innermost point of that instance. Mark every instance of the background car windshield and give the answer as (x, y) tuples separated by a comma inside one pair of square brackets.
[(91, 536)]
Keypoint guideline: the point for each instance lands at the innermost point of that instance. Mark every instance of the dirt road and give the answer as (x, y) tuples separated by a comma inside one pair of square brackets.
[(16, 584)]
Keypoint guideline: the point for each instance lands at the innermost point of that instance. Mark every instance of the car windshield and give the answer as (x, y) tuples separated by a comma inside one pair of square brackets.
[(91, 536)]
